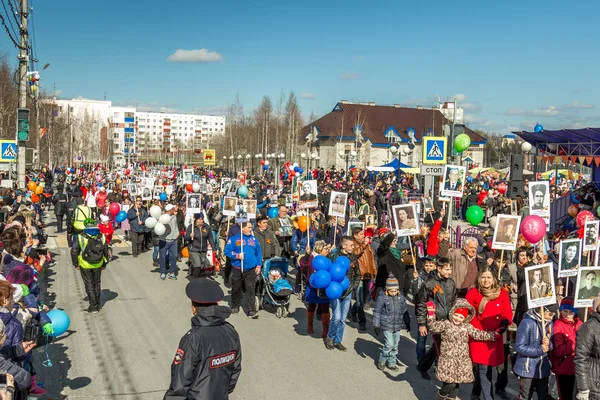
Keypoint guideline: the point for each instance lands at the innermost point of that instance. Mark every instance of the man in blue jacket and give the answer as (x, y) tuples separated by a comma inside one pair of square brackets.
[(246, 260)]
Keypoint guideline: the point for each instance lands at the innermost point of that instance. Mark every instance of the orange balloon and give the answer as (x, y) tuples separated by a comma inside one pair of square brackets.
[(119, 181), (39, 190), (35, 198), (573, 210), (31, 185), (185, 252), (189, 187), (303, 223)]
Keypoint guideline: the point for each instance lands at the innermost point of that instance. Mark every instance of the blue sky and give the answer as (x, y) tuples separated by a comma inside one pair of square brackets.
[(510, 63)]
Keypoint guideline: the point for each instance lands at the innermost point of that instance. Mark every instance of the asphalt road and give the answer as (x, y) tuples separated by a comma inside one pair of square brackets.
[(125, 351)]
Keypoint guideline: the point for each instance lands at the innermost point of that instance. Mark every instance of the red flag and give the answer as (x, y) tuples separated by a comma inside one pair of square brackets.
[(43, 132)]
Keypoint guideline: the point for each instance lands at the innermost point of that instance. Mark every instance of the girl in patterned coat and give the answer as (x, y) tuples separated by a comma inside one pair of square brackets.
[(455, 365)]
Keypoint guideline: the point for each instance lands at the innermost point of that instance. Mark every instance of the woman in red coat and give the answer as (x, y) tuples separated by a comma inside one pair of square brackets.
[(565, 332), (493, 312)]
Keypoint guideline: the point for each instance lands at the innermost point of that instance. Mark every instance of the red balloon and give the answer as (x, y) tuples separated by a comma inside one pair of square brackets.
[(502, 188), (583, 216), (533, 228), (262, 162), (127, 171), (114, 209), (189, 187)]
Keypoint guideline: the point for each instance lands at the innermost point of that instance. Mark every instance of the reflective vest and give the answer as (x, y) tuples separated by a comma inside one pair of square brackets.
[(83, 241), (81, 214)]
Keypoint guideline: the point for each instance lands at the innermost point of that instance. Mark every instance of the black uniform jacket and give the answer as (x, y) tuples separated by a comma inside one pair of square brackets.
[(208, 361)]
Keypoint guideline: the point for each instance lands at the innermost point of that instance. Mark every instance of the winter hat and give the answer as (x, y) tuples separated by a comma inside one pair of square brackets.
[(18, 293), (596, 305), (369, 232), (462, 311), (553, 308), (392, 283), (104, 218), (568, 304), (382, 232), (20, 219), (387, 239)]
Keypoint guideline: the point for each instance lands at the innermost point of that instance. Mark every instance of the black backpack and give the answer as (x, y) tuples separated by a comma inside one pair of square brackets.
[(94, 249)]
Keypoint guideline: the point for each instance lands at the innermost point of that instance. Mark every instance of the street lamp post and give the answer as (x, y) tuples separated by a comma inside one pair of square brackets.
[(239, 158), (258, 157), (305, 157), (248, 163), (526, 147), (278, 160), (315, 157), (347, 156), (231, 163)]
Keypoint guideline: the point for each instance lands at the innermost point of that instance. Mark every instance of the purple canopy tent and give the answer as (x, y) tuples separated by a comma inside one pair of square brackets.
[(568, 142)]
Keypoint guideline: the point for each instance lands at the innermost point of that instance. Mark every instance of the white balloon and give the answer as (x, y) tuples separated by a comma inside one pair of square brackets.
[(196, 187), (160, 229), (150, 222), (164, 219), (295, 164), (267, 162), (155, 212)]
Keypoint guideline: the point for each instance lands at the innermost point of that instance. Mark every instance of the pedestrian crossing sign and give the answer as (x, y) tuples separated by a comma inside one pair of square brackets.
[(434, 150), (8, 150)]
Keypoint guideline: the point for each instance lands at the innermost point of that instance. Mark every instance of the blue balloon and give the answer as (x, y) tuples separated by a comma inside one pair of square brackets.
[(285, 176), (296, 169), (345, 284), (60, 321), (243, 191), (338, 272), (273, 212), (321, 279), (343, 261), (321, 263), (121, 216), (163, 197), (334, 290), (311, 280), (265, 167), (72, 170), (538, 128), (469, 179), (300, 170)]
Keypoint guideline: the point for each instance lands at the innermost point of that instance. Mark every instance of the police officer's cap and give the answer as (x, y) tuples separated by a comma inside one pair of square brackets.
[(203, 291)]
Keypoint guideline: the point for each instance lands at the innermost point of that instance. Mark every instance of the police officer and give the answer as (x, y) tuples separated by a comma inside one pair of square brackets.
[(208, 362)]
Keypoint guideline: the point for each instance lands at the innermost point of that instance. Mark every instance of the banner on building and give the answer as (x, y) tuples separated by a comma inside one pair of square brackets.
[(210, 157)]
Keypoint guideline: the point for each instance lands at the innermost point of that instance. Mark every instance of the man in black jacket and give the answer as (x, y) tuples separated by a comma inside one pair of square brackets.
[(199, 236), (60, 201), (440, 289), (208, 361), (587, 356)]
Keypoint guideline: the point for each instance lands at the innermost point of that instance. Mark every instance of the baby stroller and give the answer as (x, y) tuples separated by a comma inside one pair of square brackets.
[(273, 287)]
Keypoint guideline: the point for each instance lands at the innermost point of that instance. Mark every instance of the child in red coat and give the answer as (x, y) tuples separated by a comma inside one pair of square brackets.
[(565, 333), (106, 228)]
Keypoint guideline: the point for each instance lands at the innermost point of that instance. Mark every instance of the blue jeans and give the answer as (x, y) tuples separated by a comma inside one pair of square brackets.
[(421, 344), (169, 247), (339, 312), (155, 252), (216, 240), (390, 347)]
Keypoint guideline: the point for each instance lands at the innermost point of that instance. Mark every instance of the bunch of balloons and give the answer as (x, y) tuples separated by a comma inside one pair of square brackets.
[(330, 276)]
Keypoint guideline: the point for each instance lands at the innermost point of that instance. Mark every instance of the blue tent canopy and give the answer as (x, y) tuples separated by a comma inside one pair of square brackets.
[(396, 164)]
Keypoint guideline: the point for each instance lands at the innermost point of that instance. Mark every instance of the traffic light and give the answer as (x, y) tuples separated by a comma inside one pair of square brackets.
[(23, 124)]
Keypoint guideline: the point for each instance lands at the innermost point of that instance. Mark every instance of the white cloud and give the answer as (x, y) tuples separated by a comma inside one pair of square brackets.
[(576, 106), (307, 96), (461, 99), (550, 111), (195, 56), (350, 76)]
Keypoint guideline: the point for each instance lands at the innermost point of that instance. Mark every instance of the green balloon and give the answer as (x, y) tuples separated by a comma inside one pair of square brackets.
[(462, 142), (474, 215)]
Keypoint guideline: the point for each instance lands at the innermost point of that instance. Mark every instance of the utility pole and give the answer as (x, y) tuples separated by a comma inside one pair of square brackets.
[(23, 62)]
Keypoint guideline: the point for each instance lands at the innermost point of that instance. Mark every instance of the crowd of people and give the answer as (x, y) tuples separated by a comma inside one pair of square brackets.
[(470, 300)]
